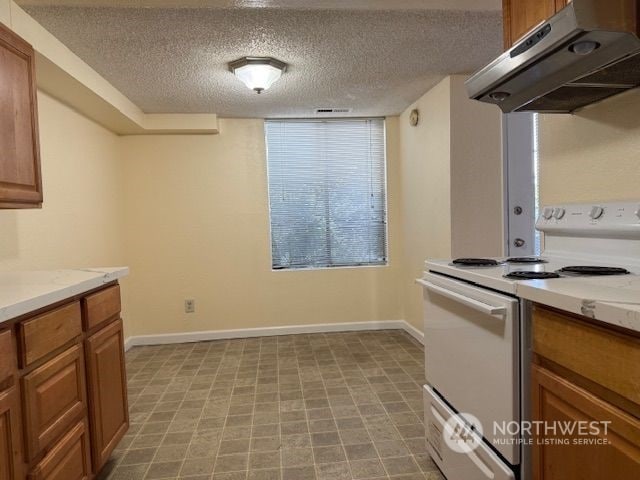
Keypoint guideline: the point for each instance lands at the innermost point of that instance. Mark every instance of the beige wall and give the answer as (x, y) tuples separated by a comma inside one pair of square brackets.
[(80, 223), (451, 183), (593, 155), (189, 215), (425, 181), (476, 176), (5, 12), (197, 226)]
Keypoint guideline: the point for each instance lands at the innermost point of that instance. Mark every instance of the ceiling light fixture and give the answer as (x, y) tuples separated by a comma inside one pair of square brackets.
[(257, 73)]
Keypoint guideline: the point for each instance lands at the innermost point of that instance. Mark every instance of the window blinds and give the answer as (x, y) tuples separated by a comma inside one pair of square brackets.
[(327, 192)]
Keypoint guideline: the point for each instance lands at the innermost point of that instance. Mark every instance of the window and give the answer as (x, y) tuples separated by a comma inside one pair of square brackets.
[(327, 192)]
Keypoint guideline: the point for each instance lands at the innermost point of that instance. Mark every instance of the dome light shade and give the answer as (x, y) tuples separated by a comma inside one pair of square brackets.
[(258, 73)]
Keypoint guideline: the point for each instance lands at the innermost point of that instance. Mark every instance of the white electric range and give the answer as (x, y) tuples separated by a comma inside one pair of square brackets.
[(476, 329)]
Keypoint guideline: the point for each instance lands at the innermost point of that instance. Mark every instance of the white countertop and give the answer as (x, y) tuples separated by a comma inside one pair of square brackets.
[(24, 292), (614, 300)]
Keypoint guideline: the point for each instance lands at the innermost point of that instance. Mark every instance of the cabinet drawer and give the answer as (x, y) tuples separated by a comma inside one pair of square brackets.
[(45, 333), (101, 306), (7, 359), (68, 460), (607, 358), (54, 397)]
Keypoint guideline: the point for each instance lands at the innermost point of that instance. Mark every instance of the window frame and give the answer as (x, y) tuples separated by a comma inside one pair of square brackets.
[(308, 268), (521, 183)]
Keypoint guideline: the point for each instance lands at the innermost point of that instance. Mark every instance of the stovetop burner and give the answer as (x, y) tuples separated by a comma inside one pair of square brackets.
[(593, 270), (525, 260), (475, 262), (527, 275)]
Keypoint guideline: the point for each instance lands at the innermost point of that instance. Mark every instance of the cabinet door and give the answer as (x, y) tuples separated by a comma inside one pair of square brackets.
[(10, 439), (106, 379), (20, 182), (54, 398), (520, 16), (68, 459), (555, 401)]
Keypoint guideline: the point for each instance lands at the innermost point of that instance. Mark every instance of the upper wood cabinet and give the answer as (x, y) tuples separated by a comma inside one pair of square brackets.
[(20, 179), (520, 16)]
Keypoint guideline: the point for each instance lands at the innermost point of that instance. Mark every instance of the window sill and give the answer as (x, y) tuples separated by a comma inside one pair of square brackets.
[(313, 269)]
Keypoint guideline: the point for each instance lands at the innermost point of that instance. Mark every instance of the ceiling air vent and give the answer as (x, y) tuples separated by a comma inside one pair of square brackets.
[(332, 110)]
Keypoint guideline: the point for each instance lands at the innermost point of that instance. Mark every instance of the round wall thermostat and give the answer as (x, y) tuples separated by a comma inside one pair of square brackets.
[(414, 117)]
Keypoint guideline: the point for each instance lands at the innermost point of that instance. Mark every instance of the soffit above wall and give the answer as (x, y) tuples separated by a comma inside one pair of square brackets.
[(66, 77), (174, 60)]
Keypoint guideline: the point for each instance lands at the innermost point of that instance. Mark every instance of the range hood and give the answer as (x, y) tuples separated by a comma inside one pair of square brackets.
[(586, 52)]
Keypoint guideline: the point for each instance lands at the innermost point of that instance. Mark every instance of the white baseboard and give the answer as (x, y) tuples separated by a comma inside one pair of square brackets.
[(189, 337), (128, 343), (413, 331)]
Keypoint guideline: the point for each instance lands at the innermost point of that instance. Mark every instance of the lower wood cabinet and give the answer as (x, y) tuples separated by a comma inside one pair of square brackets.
[(55, 398), (108, 412), (11, 466), (611, 453), (63, 388), (68, 460), (8, 363), (585, 386)]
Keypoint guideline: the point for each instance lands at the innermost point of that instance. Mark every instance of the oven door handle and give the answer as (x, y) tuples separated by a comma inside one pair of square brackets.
[(469, 302)]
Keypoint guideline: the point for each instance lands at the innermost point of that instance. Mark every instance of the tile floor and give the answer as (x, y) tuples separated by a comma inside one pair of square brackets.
[(337, 406)]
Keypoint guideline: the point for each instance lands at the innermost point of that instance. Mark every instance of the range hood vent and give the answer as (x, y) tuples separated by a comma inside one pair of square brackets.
[(587, 52)]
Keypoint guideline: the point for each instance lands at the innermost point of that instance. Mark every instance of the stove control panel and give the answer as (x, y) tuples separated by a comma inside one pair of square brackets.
[(615, 218)]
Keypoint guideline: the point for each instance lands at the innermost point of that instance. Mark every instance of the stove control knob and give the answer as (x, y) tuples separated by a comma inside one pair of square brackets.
[(596, 212), (547, 213), (558, 213), (638, 212)]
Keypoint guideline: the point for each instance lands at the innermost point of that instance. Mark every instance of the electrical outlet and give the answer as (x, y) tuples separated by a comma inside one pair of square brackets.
[(189, 306)]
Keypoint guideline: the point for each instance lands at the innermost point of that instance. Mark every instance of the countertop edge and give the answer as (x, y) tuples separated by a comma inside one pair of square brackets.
[(28, 304), (612, 313)]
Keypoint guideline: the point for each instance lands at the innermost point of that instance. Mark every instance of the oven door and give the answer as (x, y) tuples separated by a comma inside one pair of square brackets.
[(472, 355)]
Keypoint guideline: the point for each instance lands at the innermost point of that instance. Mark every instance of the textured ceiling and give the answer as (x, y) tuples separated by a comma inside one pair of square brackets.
[(174, 60)]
